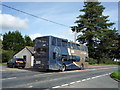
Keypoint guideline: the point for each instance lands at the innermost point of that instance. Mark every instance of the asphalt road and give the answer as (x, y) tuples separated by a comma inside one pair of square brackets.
[(93, 77)]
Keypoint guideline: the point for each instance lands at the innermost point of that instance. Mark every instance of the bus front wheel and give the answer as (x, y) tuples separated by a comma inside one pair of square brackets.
[(63, 68)]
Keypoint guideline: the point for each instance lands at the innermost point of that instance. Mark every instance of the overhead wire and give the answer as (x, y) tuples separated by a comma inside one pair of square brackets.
[(34, 15)]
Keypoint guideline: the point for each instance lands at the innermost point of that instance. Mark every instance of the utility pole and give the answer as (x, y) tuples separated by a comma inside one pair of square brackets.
[(74, 29), (75, 34)]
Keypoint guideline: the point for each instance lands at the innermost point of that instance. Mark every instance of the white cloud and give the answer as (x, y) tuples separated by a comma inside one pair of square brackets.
[(11, 22), (33, 36), (0, 11), (68, 34)]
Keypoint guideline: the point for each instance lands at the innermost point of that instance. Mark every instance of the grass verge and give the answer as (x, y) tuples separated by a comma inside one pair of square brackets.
[(3, 64), (103, 65), (116, 75)]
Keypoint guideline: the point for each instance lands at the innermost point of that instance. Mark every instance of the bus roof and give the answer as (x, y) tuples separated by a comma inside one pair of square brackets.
[(51, 36), (77, 43), (60, 38)]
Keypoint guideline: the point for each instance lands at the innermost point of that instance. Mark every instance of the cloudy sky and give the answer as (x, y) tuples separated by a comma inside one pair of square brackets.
[(61, 12)]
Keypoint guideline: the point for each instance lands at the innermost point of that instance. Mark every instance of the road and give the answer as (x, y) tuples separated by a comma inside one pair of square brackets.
[(92, 77)]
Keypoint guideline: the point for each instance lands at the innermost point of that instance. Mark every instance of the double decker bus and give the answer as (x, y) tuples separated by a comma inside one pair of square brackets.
[(53, 53)]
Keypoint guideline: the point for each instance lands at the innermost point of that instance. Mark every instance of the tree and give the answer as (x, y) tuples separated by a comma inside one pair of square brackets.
[(96, 31), (28, 41), (7, 55), (0, 48), (13, 41)]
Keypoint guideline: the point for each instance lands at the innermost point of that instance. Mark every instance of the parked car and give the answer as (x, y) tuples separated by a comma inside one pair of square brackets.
[(16, 62)]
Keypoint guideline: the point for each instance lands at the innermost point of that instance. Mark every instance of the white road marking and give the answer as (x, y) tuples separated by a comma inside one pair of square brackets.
[(64, 85), (88, 78), (106, 74), (78, 81), (9, 78), (72, 82), (82, 80), (43, 74), (98, 76), (93, 77), (56, 87)]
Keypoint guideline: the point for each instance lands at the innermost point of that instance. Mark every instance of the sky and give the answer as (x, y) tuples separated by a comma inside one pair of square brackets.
[(60, 12)]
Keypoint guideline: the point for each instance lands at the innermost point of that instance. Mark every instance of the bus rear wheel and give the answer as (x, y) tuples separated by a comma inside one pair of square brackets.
[(63, 68)]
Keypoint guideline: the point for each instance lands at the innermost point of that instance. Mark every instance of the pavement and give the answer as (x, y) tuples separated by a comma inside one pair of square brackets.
[(92, 77)]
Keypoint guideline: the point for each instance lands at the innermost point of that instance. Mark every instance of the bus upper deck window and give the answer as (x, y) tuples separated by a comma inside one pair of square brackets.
[(68, 45), (42, 40), (58, 42), (53, 41), (64, 43), (74, 46), (78, 46)]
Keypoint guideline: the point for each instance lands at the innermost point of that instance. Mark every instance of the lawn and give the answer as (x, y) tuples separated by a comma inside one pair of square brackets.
[(3, 64), (116, 75), (103, 65)]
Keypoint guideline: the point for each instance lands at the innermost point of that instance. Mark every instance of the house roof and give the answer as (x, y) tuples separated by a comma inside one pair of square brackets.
[(30, 49)]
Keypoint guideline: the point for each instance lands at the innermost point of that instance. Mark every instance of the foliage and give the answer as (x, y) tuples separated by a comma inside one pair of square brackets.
[(7, 55), (116, 75), (13, 41), (107, 61), (0, 49), (92, 61), (97, 32), (28, 41)]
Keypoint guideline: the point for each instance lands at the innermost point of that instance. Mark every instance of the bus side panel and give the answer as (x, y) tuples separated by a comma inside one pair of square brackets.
[(52, 62)]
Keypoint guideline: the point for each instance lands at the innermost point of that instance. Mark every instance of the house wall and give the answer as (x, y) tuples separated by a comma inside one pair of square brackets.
[(28, 56)]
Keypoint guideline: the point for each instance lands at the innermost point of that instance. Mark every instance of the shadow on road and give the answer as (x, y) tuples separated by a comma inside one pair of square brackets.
[(47, 71)]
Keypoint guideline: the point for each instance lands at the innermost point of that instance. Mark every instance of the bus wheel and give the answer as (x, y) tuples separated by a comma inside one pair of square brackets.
[(63, 68), (82, 67)]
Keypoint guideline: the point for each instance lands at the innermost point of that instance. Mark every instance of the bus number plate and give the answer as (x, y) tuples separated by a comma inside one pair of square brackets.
[(38, 62)]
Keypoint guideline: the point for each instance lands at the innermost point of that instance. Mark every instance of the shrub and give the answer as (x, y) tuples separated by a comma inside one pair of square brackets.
[(116, 75), (7, 55), (92, 61), (107, 61)]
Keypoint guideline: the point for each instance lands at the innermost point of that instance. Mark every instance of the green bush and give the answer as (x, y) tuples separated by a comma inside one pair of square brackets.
[(7, 55), (107, 61), (116, 75), (92, 61)]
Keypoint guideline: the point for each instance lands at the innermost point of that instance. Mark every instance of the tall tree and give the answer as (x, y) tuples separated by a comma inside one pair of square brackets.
[(13, 41), (96, 30), (28, 41), (0, 48)]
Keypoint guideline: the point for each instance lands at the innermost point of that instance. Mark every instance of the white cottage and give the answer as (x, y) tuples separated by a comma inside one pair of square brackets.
[(28, 54)]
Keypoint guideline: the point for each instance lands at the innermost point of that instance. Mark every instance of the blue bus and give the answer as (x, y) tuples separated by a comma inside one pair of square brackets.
[(53, 53)]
